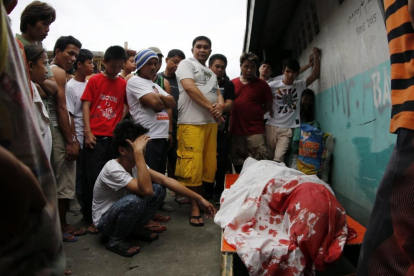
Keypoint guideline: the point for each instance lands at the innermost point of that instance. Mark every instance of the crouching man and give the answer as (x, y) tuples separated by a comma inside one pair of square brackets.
[(125, 196)]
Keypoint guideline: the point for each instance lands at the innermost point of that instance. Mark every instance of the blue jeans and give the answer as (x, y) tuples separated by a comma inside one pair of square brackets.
[(129, 214)]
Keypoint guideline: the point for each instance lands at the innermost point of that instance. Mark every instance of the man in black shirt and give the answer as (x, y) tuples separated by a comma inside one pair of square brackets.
[(218, 64), (172, 60)]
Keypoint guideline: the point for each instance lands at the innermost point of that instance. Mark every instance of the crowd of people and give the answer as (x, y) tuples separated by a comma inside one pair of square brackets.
[(110, 135), (108, 138)]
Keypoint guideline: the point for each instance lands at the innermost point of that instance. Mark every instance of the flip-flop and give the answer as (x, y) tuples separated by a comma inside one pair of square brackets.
[(66, 237), (145, 235), (94, 230), (122, 249), (199, 224), (75, 231), (182, 200), (159, 217)]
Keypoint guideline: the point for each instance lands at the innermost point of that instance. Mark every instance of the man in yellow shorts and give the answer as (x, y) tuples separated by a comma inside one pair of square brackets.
[(200, 107)]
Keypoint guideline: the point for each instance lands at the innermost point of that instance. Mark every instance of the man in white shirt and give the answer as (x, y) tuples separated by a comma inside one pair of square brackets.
[(147, 103), (285, 113), (200, 106), (125, 195), (74, 91)]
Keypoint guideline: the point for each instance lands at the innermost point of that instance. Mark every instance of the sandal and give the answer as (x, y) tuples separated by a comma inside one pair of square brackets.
[(182, 200), (199, 224), (145, 235), (122, 249), (93, 230), (159, 217), (69, 237), (70, 229)]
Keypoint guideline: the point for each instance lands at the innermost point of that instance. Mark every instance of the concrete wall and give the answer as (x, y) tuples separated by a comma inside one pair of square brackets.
[(353, 94)]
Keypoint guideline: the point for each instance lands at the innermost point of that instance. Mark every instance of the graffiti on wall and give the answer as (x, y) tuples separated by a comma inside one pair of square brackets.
[(359, 11), (372, 88)]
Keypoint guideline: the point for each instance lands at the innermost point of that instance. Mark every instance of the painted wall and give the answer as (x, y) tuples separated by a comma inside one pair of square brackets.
[(353, 95)]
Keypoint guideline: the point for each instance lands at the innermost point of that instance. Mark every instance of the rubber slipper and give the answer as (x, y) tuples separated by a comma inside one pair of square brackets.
[(93, 230), (199, 224), (67, 237), (70, 229), (159, 217), (122, 249), (145, 235), (182, 200)]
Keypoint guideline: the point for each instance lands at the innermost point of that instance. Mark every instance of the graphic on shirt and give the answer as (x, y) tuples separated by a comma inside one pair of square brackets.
[(106, 108), (287, 100), (162, 115), (207, 75)]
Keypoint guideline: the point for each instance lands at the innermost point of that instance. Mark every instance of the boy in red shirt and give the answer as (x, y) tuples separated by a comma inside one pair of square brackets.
[(104, 105)]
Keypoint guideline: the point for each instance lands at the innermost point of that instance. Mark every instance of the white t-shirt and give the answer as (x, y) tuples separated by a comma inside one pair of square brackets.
[(286, 103), (267, 114), (156, 122), (109, 187), (74, 92), (190, 112)]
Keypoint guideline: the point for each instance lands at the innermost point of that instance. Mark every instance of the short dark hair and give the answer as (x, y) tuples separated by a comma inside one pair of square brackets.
[(267, 63), (33, 52), (36, 11), (115, 52), (127, 129), (64, 41), (130, 53), (201, 37), (84, 55), (214, 57), (291, 64), (176, 52), (250, 57)]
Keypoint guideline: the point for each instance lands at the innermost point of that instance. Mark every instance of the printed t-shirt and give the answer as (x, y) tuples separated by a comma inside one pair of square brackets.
[(247, 112), (109, 188), (156, 122), (107, 99), (74, 92), (190, 112), (286, 103)]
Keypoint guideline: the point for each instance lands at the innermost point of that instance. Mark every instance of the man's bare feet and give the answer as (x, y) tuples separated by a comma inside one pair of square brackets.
[(155, 226)]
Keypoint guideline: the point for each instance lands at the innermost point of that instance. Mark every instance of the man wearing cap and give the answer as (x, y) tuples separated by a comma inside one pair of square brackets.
[(147, 103), (200, 106)]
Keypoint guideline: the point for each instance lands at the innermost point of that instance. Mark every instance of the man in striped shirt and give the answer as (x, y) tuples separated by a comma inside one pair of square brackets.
[(388, 247)]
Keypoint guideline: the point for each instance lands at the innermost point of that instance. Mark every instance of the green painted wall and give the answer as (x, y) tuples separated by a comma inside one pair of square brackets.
[(357, 111)]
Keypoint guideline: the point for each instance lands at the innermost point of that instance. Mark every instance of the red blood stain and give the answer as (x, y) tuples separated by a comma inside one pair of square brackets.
[(272, 232), (246, 229), (284, 242), (232, 226), (262, 228), (291, 184)]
